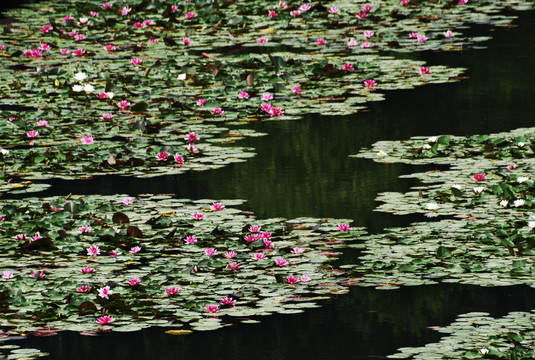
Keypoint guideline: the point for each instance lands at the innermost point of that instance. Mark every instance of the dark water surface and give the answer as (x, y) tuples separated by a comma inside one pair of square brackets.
[(302, 169)]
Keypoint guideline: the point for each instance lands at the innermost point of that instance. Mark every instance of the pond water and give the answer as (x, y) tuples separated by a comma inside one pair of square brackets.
[(302, 169)]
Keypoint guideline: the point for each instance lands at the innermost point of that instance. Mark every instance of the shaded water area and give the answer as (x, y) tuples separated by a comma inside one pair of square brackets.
[(302, 169)]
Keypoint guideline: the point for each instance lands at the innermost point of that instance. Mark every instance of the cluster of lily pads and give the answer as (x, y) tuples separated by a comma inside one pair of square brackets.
[(480, 336), (88, 263), (98, 88)]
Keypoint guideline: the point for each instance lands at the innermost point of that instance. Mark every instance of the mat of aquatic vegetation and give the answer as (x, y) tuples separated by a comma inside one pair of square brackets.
[(480, 336), (114, 262), (95, 88), (481, 227)]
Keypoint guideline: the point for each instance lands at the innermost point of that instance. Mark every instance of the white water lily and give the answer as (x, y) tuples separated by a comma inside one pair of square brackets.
[(484, 351), (426, 146), (77, 88), (181, 77), (80, 76), (531, 224), (381, 153), (457, 186), (4, 152), (521, 144), (110, 95), (479, 189), (521, 179), (432, 206), (432, 139), (89, 88), (518, 202), (504, 203)]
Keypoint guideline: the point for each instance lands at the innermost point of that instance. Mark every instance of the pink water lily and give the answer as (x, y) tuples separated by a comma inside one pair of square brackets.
[(136, 61), (87, 139), (228, 301), (110, 47), (190, 15), (135, 250), (281, 262), (190, 240), (259, 256), (162, 156), (369, 83), (172, 291), (262, 40), (198, 216), (297, 250), (217, 206), (243, 95), (320, 41), (305, 7), (347, 67), (424, 70), (93, 250), (83, 289), (87, 270), (106, 319), (272, 14), (7, 275), (134, 281), (105, 292), (124, 104), (230, 254), (179, 159), (46, 28), (234, 266), (201, 102), (32, 133), (291, 280), (344, 227), (212, 308), (210, 251), (78, 52)]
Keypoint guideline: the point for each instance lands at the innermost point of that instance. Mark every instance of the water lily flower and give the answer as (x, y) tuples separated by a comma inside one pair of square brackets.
[(77, 88), (367, 8), (210, 251), (45, 47), (296, 90), (190, 240), (174, 8), (192, 149), (297, 250), (305, 7), (521, 179), (520, 144), (138, 25), (320, 41), (162, 156), (217, 206), (7, 275), (369, 83), (351, 42), (198, 216), (262, 40), (479, 177), (114, 253), (361, 15), (283, 5), (413, 35), (212, 308), (218, 111), (422, 38), (87, 270), (531, 224), (479, 189), (106, 319), (333, 10), (281, 262), (365, 45), (272, 14), (125, 10), (368, 33), (72, 33), (255, 228), (4, 152), (187, 41), (190, 15), (243, 95), (136, 61), (182, 77), (252, 237), (519, 202), (93, 250), (64, 51), (32, 133), (347, 67), (107, 116), (448, 34), (135, 250), (230, 254), (201, 102), (110, 48), (179, 159), (424, 70), (234, 266), (268, 244), (124, 104), (426, 146), (259, 256), (79, 37), (504, 203), (172, 291), (483, 351), (154, 41), (344, 227), (134, 281), (291, 280), (432, 206), (462, 2), (511, 167), (83, 289), (84, 229), (405, 2), (93, 13), (228, 301), (305, 278), (87, 139), (78, 52)]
